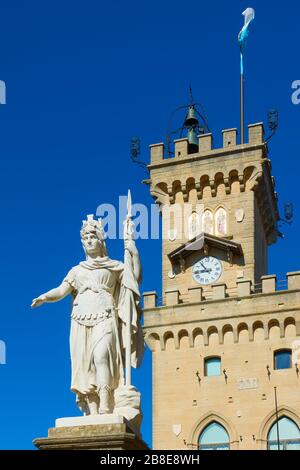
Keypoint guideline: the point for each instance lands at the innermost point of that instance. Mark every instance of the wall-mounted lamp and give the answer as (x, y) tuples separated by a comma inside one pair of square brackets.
[(198, 377), (297, 369), (225, 375), (268, 372)]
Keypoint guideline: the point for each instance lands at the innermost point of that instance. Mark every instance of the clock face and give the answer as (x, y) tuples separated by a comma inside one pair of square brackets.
[(207, 270)]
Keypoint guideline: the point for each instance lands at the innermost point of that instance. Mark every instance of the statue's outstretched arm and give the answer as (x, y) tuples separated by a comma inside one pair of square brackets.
[(53, 295)]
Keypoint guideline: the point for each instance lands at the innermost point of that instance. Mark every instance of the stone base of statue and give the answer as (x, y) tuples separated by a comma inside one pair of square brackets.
[(94, 432)]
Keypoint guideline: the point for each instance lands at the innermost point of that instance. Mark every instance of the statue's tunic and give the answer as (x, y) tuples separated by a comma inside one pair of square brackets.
[(94, 320)]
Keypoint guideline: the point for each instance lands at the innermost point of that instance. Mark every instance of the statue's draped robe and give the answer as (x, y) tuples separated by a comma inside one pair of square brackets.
[(103, 293)]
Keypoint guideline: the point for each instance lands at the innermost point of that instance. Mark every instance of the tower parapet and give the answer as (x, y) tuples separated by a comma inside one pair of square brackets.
[(247, 307), (205, 143), (244, 288)]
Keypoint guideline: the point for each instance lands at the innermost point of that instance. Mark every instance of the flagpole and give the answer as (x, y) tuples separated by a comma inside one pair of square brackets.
[(242, 99), (249, 15)]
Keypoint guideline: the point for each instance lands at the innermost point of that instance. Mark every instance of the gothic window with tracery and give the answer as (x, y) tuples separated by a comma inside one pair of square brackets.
[(207, 222), (221, 222)]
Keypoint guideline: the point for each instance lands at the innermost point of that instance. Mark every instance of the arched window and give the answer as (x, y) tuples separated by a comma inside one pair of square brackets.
[(283, 359), (221, 222), (208, 222), (194, 225), (214, 437), (284, 434), (212, 366)]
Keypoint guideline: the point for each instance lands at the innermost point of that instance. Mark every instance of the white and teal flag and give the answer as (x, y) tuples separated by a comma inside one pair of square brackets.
[(249, 15)]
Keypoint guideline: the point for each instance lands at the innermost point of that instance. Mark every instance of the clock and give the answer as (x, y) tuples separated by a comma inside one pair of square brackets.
[(207, 270)]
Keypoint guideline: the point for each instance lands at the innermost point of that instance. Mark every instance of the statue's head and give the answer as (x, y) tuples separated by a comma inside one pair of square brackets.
[(93, 237)]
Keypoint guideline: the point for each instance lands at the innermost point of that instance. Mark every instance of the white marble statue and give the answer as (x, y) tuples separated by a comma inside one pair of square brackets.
[(105, 308)]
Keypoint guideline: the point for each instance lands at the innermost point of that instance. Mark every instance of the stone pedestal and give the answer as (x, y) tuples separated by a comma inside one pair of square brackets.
[(95, 432)]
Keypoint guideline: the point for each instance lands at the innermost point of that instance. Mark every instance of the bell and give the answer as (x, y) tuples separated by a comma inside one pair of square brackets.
[(191, 119), (192, 140)]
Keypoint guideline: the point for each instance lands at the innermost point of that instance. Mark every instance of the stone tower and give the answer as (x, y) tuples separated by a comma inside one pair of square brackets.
[(224, 327)]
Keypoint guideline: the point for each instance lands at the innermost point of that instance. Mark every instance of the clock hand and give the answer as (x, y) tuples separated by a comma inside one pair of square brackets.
[(203, 266), (206, 270)]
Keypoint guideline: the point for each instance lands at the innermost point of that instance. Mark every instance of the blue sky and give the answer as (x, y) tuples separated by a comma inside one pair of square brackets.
[(82, 78)]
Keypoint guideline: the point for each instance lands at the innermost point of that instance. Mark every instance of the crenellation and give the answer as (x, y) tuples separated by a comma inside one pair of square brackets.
[(293, 280), (150, 299), (172, 296), (181, 148), (195, 294), (219, 291), (268, 283), (229, 137), (244, 287), (205, 142), (256, 133), (156, 152)]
